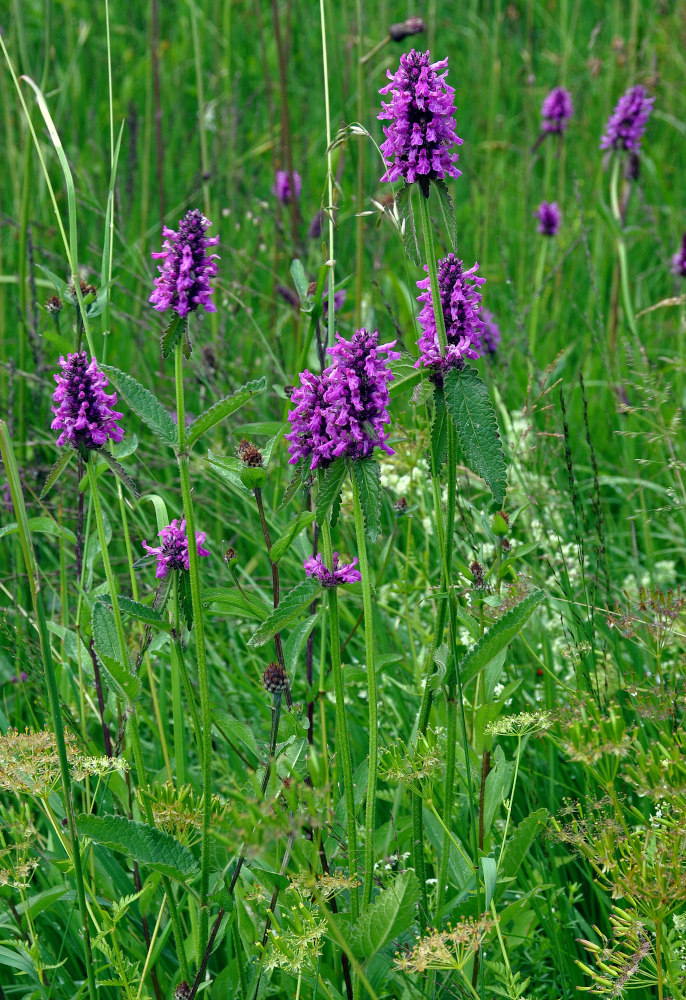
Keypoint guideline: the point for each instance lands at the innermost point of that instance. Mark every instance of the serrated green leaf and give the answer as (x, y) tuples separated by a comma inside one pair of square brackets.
[(120, 472), (405, 375), (445, 202), (472, 412), (56, 471), (288, 610), (521, 840), (295, 642), (232, 601), (107, 647), (298, 524), (330, 485), (143, 404), (367, 473), (173, 331), (145, 844), (391, 913), (222, 409), (185, 599), (141, 612), (292, 488), (411, 241), (499, 636), (439, 430), (42, 526)]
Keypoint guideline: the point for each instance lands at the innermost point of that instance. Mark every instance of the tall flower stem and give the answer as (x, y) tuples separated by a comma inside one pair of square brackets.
[(372, 695), (203, 682), (538, 292), (329, 173), (342, 744), (53, 695), (621, 248)]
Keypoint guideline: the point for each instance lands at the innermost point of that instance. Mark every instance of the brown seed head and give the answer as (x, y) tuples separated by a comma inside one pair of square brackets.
[(275, 679), (182, 991), (249, 454), (54, 304)]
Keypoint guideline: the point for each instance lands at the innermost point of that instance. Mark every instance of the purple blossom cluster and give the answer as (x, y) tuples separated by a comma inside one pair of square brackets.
[(556, 110), (679, 260), (183, 283), (173, 552), (343, 411), (84, 412), (464, 326), (422, 134), (282, 186), (549, 218), (341, 572), (627, 122)]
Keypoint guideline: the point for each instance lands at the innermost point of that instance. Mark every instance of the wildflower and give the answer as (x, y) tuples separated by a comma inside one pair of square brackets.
[(461, 301), (173, 552), (422, 130), (282, 186), (338, 300), (490, 335), (549, 218), (54, 305), (275, 679), (679, 260), (83, 410), (183, 283), (341, 572), (627, 122), (556, 110), (343, 410)]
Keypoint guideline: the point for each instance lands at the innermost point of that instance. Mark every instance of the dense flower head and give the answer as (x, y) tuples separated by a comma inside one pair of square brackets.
[(422, 134), (461, 301), (549, 218), (343, 411), (491, 335), (679, 260), (282, 186), (341, 572), (628, 121), (556, 110), (183, 283), (83, 410), (173, 552)]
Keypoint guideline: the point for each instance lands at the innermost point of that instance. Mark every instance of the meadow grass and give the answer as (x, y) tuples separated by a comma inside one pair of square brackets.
[(471, 783)]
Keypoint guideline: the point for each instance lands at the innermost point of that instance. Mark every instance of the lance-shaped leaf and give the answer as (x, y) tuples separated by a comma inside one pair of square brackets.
[(367, 475), (293, 485), (330, 485), (391, 913), (300, 280), (408, 226), (232, 601), (447, 208), (289, 609), (405, 375), (439, 430), (56, 471), (145, 844), (173, 331), (143, 404), (141, 612), (107, 647), (472, 412), (282, 544), (499, 635), (120, 472), (224, 408)]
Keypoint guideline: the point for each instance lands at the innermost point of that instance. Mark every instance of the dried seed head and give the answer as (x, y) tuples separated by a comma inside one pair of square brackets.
[(412, 26), (249, 454), (275, 679), (87, 291), (477, 572), (54, 304), (400, 505), (230, 556), (182, 991)]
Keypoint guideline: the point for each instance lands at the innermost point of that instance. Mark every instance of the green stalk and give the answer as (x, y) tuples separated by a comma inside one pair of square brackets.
[(203, 681), (329, 172), (621, 246), (538, 291), (51, 683), (371, 688), (359, 222), (341, 725)]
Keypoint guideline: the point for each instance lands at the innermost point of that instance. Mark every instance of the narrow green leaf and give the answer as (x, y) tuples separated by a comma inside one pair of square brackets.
[(472, 412), (391, 913), (300, 280), (185, 599), (499, 636), (141, 612), (408, 227), (145, 844), (232, 601), (445, 202), (439, 430), (170, 337), (330, 485), (42, 526), (295, 642), (489, 870), (368, 477), (107, 647), (288, 610), (294, 483), (405, 375), (120, 472), (298, 524), (521, 840), (237, 733), (224, 408), (143, 404), (56, 471)]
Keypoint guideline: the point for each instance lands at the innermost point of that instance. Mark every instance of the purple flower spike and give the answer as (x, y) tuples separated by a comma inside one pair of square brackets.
[(549, 218), (343, 411), (556, 110), (464, 327), (183, 283), (491, 335), (628, 121), (173, 552), (83, 410), (341, 572), (282, 186), (422, 134), (679, 260)]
